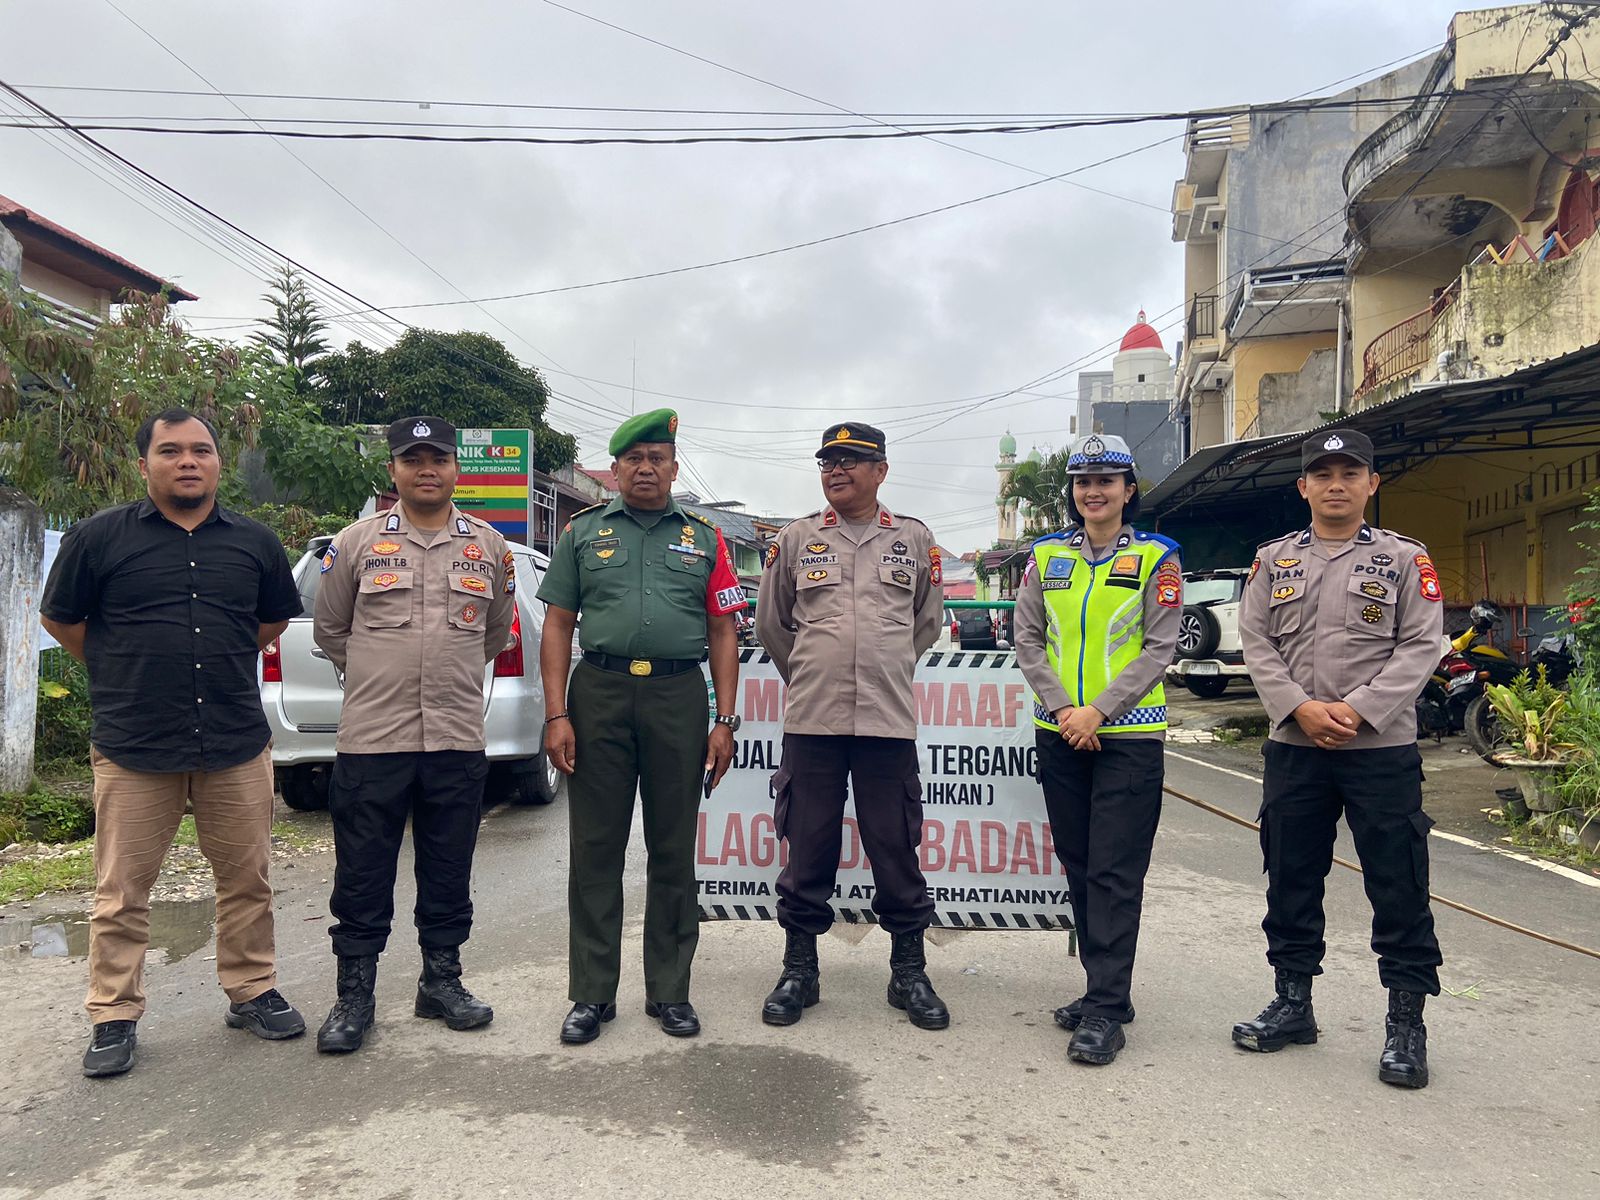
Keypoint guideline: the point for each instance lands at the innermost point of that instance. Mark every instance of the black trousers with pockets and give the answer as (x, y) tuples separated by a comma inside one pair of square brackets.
[(1104, 807), (371, 797), (810, 786), (1379, 792)]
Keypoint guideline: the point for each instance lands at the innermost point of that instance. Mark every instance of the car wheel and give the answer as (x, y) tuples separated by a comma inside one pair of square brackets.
[(523, 786), (1207, 687), (304, 788), (1198, 632)]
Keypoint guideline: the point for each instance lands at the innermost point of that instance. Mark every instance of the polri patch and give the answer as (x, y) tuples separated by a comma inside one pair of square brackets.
[(1372, 614), (1382, 560), (469, 614), (473, 551), (772, 553), (327, 559), (935, 567), (1254, 568), (1428, 579), (899, 548)]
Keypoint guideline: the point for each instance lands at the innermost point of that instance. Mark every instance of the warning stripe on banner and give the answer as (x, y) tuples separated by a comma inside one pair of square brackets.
[(865, 916), (965, 659)]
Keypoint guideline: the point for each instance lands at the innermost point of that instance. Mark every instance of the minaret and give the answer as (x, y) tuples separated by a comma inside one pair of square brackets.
[(1005, 507)]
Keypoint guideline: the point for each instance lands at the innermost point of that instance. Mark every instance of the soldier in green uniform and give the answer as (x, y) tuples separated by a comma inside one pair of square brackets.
[(656, 588)]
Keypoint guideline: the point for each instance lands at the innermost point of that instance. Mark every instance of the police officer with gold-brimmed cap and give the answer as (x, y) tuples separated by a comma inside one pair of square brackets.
[(1341, 625), (851, 598), (656, 587)]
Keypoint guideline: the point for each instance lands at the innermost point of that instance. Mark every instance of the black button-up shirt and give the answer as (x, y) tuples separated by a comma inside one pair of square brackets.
[(173, 619)]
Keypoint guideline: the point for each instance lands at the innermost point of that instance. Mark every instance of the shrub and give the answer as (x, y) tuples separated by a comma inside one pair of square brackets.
[(62, 719)]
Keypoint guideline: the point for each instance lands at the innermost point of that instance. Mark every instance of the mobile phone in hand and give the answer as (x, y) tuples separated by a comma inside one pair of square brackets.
[(707, 792)]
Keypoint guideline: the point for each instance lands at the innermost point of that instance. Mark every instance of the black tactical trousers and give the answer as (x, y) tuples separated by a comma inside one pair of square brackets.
[(1380, 793), (810, 786), (369, 801), (1104, 807)]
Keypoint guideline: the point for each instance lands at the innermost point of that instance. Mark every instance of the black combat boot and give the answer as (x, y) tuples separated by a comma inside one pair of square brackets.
[(797, 987), (909, 986), (440, 994), (1096, 1041), (1287, 1019), (352, 1013), (1405, 1048)]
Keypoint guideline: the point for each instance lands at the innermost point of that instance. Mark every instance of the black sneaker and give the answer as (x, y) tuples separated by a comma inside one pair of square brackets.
[(268, 1016), (110, 1049)]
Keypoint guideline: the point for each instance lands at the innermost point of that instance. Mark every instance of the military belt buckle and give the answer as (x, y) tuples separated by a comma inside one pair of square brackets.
[(639, 666)]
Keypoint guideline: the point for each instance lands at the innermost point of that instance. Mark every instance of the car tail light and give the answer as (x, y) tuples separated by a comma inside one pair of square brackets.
[(508, 663), (272, 663)]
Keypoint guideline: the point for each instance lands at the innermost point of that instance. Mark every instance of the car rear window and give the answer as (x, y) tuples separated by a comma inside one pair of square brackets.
[(1210, 591)]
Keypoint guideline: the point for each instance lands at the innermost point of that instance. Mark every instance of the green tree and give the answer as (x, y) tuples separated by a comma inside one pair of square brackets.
[(1041, 486), (295, 333), (469, 379)]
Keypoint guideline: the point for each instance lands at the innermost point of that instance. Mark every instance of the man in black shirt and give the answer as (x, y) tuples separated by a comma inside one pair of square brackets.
[(168, 600)]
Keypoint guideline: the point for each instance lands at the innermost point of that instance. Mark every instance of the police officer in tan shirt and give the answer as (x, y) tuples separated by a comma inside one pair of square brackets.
[(413, 605), (852, 596), (1341, 625)]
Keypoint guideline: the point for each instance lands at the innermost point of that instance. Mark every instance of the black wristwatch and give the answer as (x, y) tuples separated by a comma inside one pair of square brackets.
[(732, 722)]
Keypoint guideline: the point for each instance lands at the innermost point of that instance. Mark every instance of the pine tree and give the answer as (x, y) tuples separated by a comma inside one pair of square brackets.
[(295, 331)]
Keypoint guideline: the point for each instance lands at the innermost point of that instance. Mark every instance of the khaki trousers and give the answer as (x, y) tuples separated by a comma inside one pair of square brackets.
[(136, 816)]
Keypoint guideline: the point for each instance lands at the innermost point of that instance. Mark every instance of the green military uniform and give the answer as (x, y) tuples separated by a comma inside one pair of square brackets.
[(645, 584)]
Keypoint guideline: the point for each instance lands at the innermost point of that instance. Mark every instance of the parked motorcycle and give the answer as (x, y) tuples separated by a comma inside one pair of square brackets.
[(1555, 656)]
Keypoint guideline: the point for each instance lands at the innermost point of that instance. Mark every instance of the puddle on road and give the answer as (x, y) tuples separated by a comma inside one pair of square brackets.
[(177, 927)]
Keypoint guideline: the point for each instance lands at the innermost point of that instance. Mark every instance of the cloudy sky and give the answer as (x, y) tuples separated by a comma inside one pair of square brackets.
[(909, 327)]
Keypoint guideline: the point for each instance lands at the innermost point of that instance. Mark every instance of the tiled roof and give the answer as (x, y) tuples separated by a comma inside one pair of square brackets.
[(75, 256)]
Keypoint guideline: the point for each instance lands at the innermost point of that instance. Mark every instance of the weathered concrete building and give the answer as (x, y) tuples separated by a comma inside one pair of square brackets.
[(1473, 297)]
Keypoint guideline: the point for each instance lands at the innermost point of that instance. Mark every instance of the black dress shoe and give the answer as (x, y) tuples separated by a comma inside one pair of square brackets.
[(1097, 1041), (584, 1021), (1070, 1016), (268, 1016), (677, 1020), (110, 1048)]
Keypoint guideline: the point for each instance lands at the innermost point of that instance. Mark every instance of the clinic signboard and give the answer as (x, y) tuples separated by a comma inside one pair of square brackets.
[(493, 485), (986, 847)]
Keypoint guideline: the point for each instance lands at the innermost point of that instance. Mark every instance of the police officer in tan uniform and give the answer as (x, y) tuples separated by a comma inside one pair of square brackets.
[(851, 598), (413, 604), (1341, 625)]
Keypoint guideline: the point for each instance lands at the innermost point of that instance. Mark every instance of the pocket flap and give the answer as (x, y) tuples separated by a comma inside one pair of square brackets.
[(387, 581), (598, 556), (817, 577), (898, 577), (1369, 588), (472, 585)]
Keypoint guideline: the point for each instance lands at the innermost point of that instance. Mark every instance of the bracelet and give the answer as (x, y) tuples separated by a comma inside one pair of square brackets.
[(557, 717)]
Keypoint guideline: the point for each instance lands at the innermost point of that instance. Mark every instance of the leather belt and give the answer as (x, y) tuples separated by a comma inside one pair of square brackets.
[(640, 666)]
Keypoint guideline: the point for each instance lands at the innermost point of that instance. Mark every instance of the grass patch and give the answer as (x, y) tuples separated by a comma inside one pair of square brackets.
[(1244, 727), (33, 877), (46, 812), (287, 835)]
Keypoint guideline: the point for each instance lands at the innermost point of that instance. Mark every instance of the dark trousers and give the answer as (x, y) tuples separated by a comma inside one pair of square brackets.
[(639, 735), (1380, 793), (371, 797), (810, 787), (1104, 807)]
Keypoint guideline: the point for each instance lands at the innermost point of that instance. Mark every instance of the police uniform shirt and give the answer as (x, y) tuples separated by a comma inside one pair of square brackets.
[(1161, 613), (845, 618), (645, 582), (1361, 624), (412, 619)]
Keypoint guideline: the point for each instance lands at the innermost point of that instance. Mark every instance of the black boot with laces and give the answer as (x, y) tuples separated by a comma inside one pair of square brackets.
[(1287, 1020), (353, 1012), (440, 994), (1404, 1062)]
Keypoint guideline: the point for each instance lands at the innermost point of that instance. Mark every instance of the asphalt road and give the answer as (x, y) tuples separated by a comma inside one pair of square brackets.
[(853, 1101)]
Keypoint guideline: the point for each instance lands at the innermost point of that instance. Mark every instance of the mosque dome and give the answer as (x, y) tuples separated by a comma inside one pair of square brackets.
[(1142, 336)]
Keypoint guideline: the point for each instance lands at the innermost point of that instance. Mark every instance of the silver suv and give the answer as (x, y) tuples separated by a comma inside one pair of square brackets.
[(1209, 650), (302, 694)]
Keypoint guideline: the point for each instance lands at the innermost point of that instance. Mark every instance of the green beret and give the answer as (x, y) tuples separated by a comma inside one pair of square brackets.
[(658, 426)]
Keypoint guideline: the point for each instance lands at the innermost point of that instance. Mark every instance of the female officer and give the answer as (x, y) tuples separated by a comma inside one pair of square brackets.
[(1096, 625)]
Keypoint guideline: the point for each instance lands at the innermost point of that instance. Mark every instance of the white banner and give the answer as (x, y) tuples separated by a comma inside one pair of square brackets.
[(986, 848)]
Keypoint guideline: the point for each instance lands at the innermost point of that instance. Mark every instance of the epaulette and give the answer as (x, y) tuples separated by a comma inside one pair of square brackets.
[(590, 509), (1059, 536), (1139, 536), (707, 523), (1276, 540), (1403, 538)]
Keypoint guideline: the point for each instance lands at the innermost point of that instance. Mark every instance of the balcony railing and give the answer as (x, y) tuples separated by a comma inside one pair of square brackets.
[(1202, 321), (64, 316), (1406, 347)]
